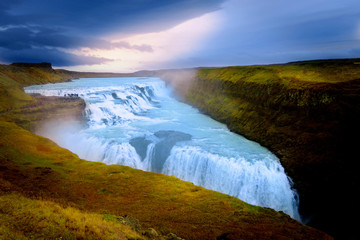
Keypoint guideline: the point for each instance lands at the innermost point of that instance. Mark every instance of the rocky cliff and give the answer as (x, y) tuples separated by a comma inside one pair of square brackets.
[(307, 113)]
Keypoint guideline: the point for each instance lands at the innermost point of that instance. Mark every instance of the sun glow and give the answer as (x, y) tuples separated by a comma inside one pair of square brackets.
[(166, 46)]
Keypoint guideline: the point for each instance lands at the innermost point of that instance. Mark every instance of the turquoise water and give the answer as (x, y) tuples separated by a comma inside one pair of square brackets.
[(139, 123)]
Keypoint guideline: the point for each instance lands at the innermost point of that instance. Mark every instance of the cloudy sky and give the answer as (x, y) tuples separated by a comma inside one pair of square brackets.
[(130, 35)]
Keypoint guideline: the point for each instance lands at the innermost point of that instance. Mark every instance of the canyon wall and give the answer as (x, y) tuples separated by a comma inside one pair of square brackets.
[(307, 113)]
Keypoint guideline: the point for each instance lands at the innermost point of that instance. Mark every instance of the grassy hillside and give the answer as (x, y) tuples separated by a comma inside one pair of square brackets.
[(27, 218), (307, 113), (18, 75), (47, 192), (14, 78)]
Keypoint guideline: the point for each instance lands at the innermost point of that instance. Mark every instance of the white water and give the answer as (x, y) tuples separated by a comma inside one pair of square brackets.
[(137, 122)]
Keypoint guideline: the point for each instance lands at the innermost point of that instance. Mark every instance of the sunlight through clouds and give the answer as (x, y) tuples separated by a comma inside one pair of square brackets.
[(166, 46)]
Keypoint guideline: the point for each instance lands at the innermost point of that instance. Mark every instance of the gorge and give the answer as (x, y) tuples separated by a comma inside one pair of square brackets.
[(138, 123), (306, 113)]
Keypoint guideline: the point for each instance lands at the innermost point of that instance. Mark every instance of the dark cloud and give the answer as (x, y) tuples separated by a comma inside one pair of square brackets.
[(94, 16), (56, 57), (23, 37), (14, 39), (29, 25)]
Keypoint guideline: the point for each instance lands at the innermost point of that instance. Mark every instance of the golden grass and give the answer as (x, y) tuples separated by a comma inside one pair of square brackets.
[(25, 218)]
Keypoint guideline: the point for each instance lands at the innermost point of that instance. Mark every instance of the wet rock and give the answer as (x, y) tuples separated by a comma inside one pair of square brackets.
[(163, 148), (140, 144)]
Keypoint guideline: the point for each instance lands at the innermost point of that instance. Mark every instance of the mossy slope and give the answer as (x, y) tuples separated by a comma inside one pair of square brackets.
[(307, 113), (14, 78)]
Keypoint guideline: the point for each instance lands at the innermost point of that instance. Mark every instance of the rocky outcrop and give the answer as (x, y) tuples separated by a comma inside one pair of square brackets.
[(163, 148), (307, 113)]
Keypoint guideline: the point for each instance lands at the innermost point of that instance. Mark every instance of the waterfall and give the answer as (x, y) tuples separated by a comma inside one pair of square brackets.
[(138, 123)]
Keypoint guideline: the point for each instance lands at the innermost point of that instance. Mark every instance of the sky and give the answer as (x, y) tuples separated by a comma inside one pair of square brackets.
[(132, 35)]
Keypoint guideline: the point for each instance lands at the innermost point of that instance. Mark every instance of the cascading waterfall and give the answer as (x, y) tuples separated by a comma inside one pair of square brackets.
[(137, 122)]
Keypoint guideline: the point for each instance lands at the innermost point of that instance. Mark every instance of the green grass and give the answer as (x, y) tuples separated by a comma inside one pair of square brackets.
[(291, 75)]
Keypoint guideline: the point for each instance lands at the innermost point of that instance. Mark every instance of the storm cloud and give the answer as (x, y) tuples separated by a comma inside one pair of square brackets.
[(238, 32), (50, 29)]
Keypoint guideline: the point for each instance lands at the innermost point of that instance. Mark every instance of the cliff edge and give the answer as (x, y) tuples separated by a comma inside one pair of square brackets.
[(307, 113)]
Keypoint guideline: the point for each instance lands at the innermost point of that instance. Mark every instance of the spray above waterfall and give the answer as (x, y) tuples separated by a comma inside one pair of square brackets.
[(137, 122)]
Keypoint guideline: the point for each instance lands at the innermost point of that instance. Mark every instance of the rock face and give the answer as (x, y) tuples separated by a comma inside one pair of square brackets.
[(140, 144), (165, 141), (163, 148), (307, 114)]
